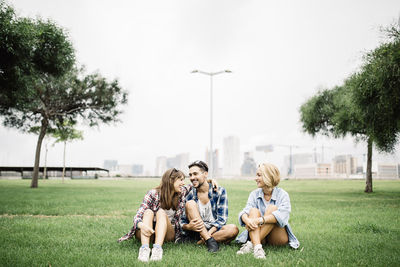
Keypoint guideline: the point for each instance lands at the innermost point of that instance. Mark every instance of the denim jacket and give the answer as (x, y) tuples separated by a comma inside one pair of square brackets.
[(279, 198)]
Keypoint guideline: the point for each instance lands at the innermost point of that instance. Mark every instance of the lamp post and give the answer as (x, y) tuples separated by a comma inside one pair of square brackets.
[(211, 74)]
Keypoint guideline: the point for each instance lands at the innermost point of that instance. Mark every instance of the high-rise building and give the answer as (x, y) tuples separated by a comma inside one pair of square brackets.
[(249, 166), (215, 161), (161, 165), (110, 165), (231, 148), (180, 162)]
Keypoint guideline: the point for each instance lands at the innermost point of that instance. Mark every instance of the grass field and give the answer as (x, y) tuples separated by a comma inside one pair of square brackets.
[(78, 223)]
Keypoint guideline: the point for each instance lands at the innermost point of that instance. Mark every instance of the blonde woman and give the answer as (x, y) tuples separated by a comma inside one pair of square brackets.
[(266, 215)]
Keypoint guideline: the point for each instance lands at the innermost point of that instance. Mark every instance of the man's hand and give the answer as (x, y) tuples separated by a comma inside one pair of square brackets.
[(147, 231), (195, 225), (252, 224)]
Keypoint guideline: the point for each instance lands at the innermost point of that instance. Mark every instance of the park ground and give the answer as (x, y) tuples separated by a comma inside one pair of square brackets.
[(77, 223)]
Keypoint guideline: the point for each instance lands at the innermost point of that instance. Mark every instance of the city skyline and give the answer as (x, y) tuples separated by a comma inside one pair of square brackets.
[(280, 55)]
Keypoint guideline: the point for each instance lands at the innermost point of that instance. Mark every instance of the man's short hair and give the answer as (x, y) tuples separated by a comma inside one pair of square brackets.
[(201, 164)]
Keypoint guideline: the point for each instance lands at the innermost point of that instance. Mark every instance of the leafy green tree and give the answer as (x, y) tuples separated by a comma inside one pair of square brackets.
[(40, 85), (366, 106)]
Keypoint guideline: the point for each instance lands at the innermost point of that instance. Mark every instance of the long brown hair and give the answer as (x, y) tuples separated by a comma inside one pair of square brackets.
[(166, 187)]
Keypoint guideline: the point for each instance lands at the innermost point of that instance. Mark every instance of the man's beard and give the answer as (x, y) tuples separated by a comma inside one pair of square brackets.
[(199, 184)]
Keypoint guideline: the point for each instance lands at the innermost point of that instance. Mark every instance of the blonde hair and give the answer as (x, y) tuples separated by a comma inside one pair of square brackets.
[(270, 174)]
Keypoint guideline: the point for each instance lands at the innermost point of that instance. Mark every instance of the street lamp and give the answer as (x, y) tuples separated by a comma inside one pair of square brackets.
[(211, 74)]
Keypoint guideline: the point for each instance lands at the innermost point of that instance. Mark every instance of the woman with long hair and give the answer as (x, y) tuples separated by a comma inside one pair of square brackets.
[(266, 215), (159, 215)]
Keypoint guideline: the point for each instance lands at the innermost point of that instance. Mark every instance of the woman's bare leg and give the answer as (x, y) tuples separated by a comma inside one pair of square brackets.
[(272, 233), (255, 234), (164, 230), (147, 220)]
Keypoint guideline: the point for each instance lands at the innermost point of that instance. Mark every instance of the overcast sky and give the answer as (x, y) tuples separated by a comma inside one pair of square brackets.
[(280, 53)]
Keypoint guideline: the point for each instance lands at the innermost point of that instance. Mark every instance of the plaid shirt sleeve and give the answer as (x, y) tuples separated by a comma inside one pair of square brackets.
[(222, 208), (150, 201)]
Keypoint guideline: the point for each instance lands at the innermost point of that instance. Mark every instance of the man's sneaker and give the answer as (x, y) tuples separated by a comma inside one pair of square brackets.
[(259, 253), (156, 254), (144, 254), (246, 248), (212, 245)]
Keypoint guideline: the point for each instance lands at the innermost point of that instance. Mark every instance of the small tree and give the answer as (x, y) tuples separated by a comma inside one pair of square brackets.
[(66, 133), (39, 85)]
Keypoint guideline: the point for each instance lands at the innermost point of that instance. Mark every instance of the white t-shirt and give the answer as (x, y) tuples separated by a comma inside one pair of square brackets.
[(206, 214)]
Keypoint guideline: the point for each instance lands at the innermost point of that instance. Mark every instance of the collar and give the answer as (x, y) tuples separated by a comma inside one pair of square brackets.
[(260, 193)]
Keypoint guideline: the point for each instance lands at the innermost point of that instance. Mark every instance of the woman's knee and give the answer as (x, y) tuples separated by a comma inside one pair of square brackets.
[(160, 213), (254, 212), (148, 213)]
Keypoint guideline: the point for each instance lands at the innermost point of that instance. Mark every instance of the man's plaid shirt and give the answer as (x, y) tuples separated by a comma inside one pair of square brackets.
[(219, 205)]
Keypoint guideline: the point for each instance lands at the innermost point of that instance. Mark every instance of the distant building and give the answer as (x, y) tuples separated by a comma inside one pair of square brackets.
[(180, 162), (313, 170), (249, 166), (110, 165), (290, 162), (125, 169), (231, 156), (137, 169), (161, 166), (215, 161), (388, 171), (345, 164)]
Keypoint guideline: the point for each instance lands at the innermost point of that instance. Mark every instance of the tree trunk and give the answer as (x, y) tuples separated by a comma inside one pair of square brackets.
[(368, 178), (45, 164), (43, 129), (63, 173)]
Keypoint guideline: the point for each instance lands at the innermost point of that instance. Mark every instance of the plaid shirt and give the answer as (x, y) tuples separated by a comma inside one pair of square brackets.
[(152, 201), (219, 205)]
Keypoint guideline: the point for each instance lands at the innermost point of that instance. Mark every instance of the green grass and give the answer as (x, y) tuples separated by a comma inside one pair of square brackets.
[(77, 224)]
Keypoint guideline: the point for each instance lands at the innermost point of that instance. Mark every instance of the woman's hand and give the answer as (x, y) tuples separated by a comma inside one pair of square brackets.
[(146, 230), (214, 184), (252, 224)]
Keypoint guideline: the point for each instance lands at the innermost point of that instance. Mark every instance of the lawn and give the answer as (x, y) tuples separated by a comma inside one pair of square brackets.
[(78, 223)]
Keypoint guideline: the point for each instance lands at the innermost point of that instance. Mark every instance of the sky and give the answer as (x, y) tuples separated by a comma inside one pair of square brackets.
[(280, 54)]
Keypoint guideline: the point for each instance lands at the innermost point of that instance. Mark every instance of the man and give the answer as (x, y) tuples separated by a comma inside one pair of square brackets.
[(206, 211)]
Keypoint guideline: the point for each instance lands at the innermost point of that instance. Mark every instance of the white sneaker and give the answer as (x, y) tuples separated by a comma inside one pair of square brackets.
[(156, 254), (259, 253), (144, 254), (246, 248)]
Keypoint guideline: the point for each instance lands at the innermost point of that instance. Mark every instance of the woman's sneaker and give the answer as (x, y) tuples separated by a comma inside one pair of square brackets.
[(259, 253), (246, 248), (156, 254), (144, 254)]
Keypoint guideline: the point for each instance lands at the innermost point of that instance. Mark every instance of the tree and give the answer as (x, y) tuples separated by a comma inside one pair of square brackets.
[(40, 84), (66, 133), (366, 106)]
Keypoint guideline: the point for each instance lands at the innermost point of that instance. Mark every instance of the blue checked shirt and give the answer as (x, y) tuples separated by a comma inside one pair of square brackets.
[(219, 205)]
